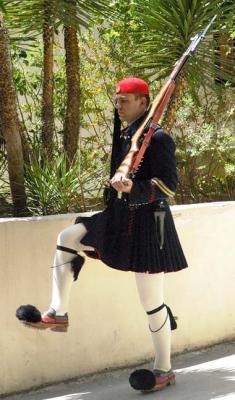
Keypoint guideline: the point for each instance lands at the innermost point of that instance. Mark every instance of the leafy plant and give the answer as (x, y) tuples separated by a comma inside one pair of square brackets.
[(52, 188), (205, 153), (203, 130), (165, 31)]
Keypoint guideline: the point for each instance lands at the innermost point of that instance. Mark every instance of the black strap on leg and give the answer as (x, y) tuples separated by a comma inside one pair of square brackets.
[(156, 309), (160, 326), (76, 263), (169, 312), (66, 249)]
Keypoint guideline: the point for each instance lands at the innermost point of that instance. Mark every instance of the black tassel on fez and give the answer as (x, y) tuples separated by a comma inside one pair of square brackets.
[(28, 313), (142, 379)]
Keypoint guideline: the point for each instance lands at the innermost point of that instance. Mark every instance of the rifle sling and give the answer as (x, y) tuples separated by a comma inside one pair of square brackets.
[(153, 124)]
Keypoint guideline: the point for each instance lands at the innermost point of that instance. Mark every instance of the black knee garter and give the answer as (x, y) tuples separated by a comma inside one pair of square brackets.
[(169, 313), (76, 263)]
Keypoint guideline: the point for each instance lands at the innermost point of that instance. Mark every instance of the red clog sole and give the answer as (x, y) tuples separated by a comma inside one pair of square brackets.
[(55, 327), (160, 386)]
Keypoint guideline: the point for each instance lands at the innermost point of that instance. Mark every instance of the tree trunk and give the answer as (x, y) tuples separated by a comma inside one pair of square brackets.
[(48, 86), (2, 140), (26, 150), (174, 105), (10, 125), (72, 119)]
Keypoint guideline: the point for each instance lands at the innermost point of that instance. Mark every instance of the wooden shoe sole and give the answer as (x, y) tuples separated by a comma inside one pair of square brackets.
[(55, 327), (160, 386)]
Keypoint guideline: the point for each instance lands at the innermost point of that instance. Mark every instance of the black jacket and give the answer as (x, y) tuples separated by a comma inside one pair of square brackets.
[(156, 178)]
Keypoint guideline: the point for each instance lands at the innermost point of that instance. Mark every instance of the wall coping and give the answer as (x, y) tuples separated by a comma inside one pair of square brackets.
[(202, 296), (174, 208)]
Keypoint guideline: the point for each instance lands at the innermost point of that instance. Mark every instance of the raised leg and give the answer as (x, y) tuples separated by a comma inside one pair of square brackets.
[(66, 266), (63, 277)]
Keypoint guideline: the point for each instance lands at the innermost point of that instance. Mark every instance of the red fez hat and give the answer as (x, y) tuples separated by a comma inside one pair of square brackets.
[(132, 85)]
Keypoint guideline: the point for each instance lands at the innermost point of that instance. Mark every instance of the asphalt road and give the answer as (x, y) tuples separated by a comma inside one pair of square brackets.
[(207, 374)]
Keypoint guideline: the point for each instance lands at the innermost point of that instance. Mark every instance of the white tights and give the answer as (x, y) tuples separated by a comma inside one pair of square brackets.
[(151, 293), (150, 288)]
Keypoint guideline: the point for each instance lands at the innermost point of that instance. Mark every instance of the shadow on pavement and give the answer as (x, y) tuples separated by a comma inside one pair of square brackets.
[(207, 374)]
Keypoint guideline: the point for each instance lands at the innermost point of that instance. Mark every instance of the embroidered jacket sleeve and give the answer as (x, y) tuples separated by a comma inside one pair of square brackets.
[(162, 166)]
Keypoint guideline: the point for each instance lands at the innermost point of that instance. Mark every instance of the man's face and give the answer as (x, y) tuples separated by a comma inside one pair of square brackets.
[(129, 106)]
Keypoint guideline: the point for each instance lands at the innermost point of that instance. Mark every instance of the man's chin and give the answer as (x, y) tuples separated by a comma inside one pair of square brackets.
[(124, 120), (122, 117)]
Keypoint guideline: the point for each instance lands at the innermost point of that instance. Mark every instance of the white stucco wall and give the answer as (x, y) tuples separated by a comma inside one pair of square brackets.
[(108, 327)]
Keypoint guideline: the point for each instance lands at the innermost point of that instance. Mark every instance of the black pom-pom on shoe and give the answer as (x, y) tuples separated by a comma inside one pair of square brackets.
[(142, 379), (28, 313)]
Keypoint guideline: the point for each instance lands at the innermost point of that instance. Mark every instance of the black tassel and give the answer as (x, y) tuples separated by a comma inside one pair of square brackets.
[(172, 319), (77, 264), (142, 379), (28, 313), (116, 145)]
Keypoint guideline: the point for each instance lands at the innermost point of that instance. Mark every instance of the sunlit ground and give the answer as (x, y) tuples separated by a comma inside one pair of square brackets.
[(73, 396), (213, 380), (223, 365), (195, 380)]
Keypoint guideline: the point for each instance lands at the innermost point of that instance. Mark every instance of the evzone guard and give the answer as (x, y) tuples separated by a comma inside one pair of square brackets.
[(135, 232)]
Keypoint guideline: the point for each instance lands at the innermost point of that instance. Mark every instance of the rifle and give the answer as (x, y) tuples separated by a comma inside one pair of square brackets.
[(132, 161)]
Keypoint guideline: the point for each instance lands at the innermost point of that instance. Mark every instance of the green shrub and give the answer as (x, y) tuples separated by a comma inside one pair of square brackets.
[(53, 188)]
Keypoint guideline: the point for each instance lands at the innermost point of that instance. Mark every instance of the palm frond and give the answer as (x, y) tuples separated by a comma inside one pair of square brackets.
[(166, 29), (27, 17)]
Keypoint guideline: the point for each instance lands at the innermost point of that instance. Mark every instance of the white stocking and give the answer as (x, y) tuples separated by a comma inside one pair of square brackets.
[(62, 272), (151, 292)]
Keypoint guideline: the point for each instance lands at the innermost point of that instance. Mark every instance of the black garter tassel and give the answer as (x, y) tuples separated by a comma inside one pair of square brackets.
[(77, 264), (28, 313), (142, 379), (172, 319)]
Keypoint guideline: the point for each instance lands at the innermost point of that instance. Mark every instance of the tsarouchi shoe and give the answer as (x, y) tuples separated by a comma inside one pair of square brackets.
[(32, 317), (150, 381)]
